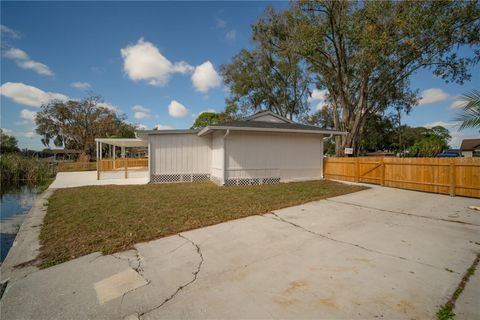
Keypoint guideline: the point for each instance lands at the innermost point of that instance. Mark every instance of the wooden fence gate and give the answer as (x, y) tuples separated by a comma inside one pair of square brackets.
[(454, 176)]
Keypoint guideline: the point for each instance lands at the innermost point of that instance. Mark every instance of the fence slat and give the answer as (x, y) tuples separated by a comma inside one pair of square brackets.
[(458, 176)]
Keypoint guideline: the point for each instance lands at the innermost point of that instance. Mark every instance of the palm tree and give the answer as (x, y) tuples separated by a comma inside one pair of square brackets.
[(470, 116)]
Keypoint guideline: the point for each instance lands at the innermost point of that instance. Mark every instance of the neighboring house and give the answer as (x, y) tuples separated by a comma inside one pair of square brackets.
[(264, 148), (470, 148)]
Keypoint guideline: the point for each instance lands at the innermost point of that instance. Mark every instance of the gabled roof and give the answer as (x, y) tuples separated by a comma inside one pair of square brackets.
[(266, 113), (470, 144), (251, 123)]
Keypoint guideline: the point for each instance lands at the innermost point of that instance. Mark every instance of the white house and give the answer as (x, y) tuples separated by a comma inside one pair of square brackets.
[(264, 148), (470, 147)]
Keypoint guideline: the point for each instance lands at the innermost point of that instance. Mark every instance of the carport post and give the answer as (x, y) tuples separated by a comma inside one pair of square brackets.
[(114, 156), (124, 161), (97, 161)]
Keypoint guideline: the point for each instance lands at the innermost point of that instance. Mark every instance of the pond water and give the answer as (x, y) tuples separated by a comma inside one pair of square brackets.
[(15, 202)]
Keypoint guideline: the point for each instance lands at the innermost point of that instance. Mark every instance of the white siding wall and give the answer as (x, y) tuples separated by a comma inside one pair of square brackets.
[(217, 157), (180, 153), (261, 155)]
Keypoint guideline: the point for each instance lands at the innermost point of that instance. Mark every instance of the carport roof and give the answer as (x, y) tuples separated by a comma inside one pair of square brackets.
[(123, 142)]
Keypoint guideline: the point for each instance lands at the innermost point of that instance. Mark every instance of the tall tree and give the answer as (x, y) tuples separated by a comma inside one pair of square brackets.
[(8, 143), (75, 124), (470, 116), (362, 52), (379, 134), (430, 143), (207, 118), (270, 76)]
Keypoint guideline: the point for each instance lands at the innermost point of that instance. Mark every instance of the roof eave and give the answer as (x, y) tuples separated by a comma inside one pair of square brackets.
[(207, 130), (173, 131)]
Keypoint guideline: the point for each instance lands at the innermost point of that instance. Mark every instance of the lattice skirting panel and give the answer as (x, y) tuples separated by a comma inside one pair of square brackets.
[(179, 177), (251, 181)]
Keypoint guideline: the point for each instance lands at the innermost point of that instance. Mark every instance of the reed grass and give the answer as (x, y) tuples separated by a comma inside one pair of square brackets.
[(15, 167)]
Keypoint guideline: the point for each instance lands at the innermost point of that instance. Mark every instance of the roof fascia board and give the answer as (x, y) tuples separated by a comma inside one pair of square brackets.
[(154, 132), (206, 130)]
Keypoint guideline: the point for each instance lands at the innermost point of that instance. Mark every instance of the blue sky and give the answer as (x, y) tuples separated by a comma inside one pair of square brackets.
[(156, 62)]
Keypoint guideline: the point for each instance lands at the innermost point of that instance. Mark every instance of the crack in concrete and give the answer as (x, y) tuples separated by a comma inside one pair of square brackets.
[(138, 269), (180, 288), (278, 218), (405, 213)]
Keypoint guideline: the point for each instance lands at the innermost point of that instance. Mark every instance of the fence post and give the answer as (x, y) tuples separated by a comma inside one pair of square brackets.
[(452, 178), (126, 167), (382, 166), (357, 170)]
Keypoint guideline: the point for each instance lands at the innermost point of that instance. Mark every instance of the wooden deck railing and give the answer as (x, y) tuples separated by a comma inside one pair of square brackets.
[(76, 166), (454, 176), (120, 164)]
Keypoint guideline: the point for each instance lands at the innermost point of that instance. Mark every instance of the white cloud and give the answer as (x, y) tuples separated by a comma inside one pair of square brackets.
[(34, 97), (38, 67), (25, 134), (14, 53), (10, 32), (231, 35), (138, 107), (176, 109), (81, 85), (432, 95), (6, 131), (141, 127), (220, 23), (457, 104), (163, 127), (320, 96), (143, 61), (28, 115), (205, 77), (22, 60), (447, 125), (140, 112), (109, 106), (29, 95)]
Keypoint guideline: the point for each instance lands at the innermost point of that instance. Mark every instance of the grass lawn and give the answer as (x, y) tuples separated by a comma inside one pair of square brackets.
[(112, 218)]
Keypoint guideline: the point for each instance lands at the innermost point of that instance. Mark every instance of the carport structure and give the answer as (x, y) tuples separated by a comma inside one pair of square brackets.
[(123, 166)]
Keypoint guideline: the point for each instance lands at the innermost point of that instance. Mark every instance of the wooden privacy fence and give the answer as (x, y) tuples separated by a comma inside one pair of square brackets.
[(76, 166), (120, 164), (454, 176)]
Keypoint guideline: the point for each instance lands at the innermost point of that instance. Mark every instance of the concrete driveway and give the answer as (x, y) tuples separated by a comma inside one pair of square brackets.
[(378, 253)]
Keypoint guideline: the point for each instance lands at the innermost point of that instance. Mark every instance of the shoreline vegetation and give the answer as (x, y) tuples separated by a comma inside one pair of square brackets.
[(16, 169)]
